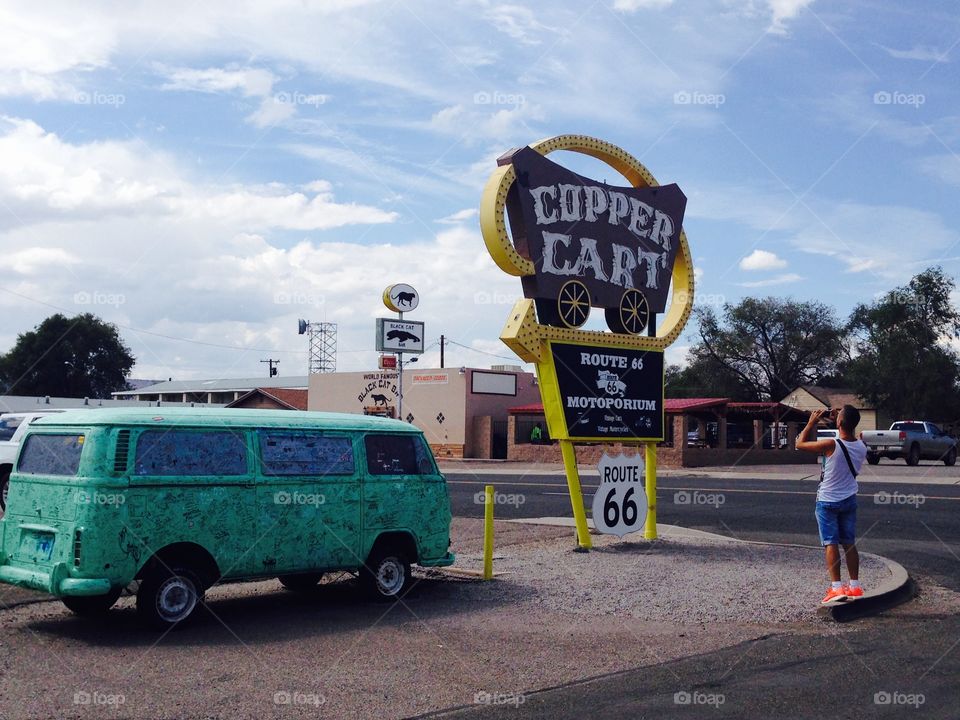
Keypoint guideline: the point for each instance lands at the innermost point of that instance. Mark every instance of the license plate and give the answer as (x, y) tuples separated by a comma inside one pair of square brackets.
[(36, 546)]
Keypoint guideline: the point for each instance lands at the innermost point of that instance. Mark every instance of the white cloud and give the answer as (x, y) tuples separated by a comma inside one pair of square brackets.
[(32, 261), (460, 216), (44, 178), (945, 168), (784, 10), (924, 53), (769, 282), (762, 260), (634, 5), (249, 82)]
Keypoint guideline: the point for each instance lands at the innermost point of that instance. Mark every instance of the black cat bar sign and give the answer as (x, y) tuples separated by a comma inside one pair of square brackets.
[(403, 336)]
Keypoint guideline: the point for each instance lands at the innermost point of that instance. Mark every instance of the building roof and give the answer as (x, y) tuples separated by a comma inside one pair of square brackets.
[(833, 396), (675, 405), (166, 416), (218, 385), (293, 398), (32, 403)]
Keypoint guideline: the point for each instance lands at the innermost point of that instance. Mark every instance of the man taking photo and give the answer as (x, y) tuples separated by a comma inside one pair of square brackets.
[(836, 509)]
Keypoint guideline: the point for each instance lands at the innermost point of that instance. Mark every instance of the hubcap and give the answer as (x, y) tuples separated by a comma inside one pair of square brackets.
[(390, 576), (176, 599)]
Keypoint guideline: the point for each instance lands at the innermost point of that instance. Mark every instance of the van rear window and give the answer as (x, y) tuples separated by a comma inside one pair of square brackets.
[(398, 455), (292, 453), (51, 454), (182, 452)]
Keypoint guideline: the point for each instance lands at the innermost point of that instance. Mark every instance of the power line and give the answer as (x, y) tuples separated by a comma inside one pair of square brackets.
[(482, 352)]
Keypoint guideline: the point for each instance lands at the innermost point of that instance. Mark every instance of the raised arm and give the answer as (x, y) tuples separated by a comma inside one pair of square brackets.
[(807, 439)]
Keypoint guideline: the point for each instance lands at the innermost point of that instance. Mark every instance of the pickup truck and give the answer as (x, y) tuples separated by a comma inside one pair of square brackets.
[(912, 440), (13, 426)]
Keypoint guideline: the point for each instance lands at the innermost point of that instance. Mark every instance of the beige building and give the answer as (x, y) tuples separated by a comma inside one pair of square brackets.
[(462, 411), (815, 397)]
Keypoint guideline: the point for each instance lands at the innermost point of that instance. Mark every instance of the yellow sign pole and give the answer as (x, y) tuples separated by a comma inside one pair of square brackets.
[(650, 529), (488, 532), (576, 494)]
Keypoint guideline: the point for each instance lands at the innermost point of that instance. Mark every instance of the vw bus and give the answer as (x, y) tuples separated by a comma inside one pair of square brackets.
[(182, 498)]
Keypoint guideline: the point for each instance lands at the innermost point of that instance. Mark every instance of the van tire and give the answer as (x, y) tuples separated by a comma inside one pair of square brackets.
[(88, 605), (386, 575), (169, 597), (913, 457), (304, 582)]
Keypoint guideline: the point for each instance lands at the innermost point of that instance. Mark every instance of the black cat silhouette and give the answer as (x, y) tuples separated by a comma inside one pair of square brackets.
[(402, 336), (379, 399), (404, 298)]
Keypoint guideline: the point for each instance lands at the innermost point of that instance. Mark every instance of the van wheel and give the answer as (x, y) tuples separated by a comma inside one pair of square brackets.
[(913, 458), (168, 597), (951, 457), (386, 576), (303, 582), (873, 459), (92, 604)]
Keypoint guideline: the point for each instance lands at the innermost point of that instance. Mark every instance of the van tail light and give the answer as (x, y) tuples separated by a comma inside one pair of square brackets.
[(903, 435), (77, 537)]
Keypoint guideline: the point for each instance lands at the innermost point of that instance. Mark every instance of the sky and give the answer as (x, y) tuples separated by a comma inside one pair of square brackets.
[(204, 174)]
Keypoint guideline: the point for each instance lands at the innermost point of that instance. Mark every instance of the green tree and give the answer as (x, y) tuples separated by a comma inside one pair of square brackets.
[(702, 377), (67, 357), (771, 345), (900, 362)]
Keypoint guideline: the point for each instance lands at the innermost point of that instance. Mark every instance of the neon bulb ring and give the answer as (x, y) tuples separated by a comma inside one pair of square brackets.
[(494, 227)]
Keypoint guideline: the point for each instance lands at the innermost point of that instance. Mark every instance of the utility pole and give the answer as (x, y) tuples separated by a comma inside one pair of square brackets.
[(441, 350), (271, 363)]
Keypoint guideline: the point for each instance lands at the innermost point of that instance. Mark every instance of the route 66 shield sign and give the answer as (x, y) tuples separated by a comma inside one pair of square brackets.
[(620, 505)]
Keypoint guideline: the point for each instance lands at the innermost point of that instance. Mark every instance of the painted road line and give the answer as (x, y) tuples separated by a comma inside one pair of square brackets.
[(810, 492)]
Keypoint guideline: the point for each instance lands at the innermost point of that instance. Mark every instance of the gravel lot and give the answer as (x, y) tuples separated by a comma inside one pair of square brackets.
[(551, 616)]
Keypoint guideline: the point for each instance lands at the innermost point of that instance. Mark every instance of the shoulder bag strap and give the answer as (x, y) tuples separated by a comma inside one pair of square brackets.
[(846, 454)]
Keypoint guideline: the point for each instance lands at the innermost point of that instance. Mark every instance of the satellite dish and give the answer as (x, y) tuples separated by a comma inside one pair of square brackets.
[(301, 327)]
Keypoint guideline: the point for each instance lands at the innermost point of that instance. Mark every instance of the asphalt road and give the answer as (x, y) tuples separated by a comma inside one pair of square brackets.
[(902, 664)]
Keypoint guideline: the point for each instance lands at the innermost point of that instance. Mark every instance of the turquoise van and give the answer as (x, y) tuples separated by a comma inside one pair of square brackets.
[(182, 498)]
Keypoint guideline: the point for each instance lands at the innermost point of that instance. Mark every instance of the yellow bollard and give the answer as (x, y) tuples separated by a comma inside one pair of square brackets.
[(576, 494), (488, 532), (650, 528)]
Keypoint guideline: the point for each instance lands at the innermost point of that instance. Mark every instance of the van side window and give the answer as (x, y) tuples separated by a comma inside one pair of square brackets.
[(391, 454), (181, 452), (301, 453), (51, 454)]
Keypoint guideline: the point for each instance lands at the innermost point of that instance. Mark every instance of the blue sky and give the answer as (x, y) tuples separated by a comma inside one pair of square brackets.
[(203, 175)]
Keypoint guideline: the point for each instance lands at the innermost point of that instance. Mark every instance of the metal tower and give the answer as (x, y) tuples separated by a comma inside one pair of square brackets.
[(323, 345)]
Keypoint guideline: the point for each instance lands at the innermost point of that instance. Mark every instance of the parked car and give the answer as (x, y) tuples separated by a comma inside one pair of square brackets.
[(13, 426), (912, 440), (182, 498)]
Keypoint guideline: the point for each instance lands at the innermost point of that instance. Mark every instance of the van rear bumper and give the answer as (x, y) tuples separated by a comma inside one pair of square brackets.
[(55, 581), (444, 561)]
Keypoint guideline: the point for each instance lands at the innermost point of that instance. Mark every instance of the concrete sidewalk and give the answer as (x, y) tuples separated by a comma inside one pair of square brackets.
[(886, 472)]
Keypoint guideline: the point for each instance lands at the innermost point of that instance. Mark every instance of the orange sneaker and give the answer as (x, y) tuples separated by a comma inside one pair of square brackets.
[(834, 595), (853, 592)]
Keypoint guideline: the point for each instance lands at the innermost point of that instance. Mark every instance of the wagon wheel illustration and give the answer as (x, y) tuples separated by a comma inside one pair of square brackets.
[(573, 303), (632, 314)]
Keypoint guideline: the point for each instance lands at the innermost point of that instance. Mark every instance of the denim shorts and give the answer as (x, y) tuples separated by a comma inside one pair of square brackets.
[(837, 521)]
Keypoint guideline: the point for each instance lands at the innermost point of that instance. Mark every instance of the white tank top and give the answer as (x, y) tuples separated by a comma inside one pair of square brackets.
[(836, 481)]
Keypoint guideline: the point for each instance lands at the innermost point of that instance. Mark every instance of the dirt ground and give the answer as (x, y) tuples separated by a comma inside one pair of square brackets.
[(260, 651)]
